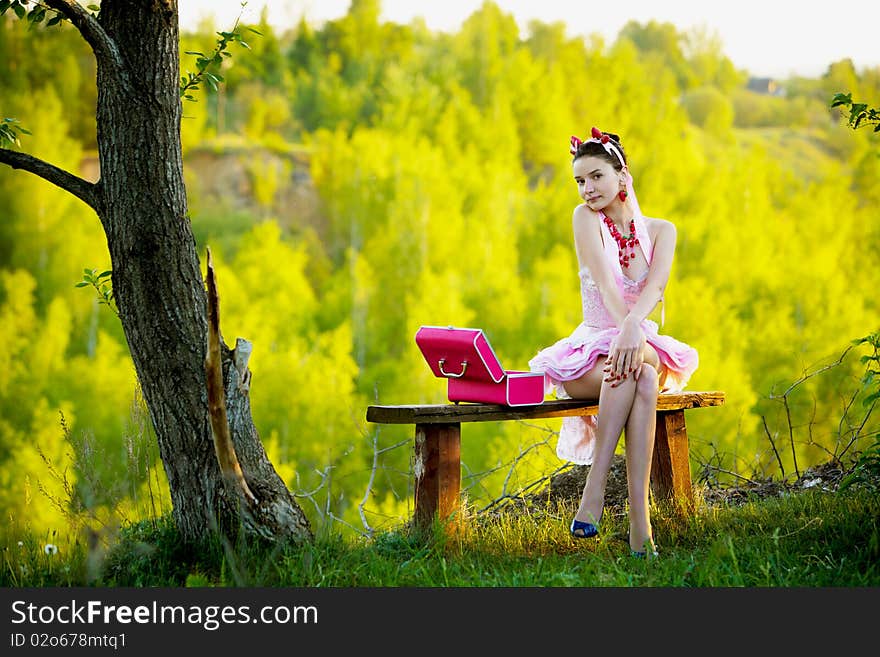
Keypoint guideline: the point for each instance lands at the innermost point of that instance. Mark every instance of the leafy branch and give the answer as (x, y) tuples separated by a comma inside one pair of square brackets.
[(10, 130), (191, 81), (102, 285), (34, 12), (867, 468), (860, 114), (38, 11)]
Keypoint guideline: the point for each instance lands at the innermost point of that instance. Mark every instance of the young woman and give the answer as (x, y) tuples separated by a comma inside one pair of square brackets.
[(616, 355)]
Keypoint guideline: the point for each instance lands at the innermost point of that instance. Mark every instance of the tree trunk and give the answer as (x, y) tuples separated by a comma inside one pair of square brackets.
[(158, 284)]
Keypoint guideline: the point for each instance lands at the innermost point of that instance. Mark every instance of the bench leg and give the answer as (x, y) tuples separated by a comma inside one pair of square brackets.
[(437, 469), (671, 467)]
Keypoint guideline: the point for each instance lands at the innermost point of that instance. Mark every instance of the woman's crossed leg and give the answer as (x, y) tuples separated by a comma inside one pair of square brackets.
[(629, 404)]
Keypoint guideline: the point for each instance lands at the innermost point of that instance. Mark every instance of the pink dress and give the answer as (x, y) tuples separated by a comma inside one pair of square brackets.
[(573, 356)]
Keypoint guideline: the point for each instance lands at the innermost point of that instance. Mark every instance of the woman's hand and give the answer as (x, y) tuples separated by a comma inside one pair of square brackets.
[(626, 354)]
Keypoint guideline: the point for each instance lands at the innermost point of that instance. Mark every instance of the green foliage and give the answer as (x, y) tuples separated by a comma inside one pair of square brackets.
[(36, 14), (866, 470), (42, 57), (214, 60), (10, 131), (263, 65), (710, 109), (867, 467), (859, 113), (662, 42), (150, 553), (38, 11), (102, 286), (871, 379)]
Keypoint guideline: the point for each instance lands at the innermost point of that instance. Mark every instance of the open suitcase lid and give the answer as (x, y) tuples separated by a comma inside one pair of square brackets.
[(454, 353)]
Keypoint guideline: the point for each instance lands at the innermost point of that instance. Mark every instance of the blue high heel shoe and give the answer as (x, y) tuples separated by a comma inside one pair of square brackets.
[(580, 529), (643, 554)]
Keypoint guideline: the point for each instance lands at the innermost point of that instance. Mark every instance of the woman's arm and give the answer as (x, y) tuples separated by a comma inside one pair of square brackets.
[(627, 351), (590, 253), (658, 274)]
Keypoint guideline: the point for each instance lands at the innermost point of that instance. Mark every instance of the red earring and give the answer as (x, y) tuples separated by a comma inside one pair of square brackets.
[(622, 195)]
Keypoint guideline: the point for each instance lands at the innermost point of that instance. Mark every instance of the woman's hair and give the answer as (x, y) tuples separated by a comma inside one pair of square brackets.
[(595, 149)]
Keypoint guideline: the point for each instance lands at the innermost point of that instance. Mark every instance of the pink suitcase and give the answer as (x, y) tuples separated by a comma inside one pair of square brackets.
[(465, 359)]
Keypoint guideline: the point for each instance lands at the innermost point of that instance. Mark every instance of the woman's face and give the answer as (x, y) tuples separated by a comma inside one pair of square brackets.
[(598, 183)]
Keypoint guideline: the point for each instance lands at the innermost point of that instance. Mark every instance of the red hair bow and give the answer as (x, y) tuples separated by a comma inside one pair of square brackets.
[(598, 134)]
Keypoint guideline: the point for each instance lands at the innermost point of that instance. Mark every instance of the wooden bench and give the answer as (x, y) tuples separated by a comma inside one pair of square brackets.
[(437, 463)]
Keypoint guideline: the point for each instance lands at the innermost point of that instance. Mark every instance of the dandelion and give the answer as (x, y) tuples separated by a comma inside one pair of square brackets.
[(21, 544), (50, 549)]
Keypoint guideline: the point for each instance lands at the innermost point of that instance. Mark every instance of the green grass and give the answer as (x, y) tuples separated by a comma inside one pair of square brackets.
[(812, 539)]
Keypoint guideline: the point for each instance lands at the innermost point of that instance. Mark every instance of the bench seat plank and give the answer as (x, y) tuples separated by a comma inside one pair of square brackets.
[(468, 412)]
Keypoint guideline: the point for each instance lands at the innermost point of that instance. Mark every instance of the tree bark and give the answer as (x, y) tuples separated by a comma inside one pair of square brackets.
[(157, 282)]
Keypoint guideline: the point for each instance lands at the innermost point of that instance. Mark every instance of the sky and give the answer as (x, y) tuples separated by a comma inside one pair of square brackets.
[(768, 38)]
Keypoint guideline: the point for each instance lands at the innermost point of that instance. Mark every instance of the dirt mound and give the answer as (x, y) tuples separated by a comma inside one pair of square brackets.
[(565, 487), (825, 477)]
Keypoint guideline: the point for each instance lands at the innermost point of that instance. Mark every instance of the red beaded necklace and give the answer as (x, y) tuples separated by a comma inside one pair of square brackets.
[(624, 242)]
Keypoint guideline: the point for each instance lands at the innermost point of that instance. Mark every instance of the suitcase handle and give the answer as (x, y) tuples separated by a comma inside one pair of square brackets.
[(451, 375)]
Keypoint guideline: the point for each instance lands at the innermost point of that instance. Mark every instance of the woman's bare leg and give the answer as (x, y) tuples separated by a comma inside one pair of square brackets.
[(616, 401), (640, 428)]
